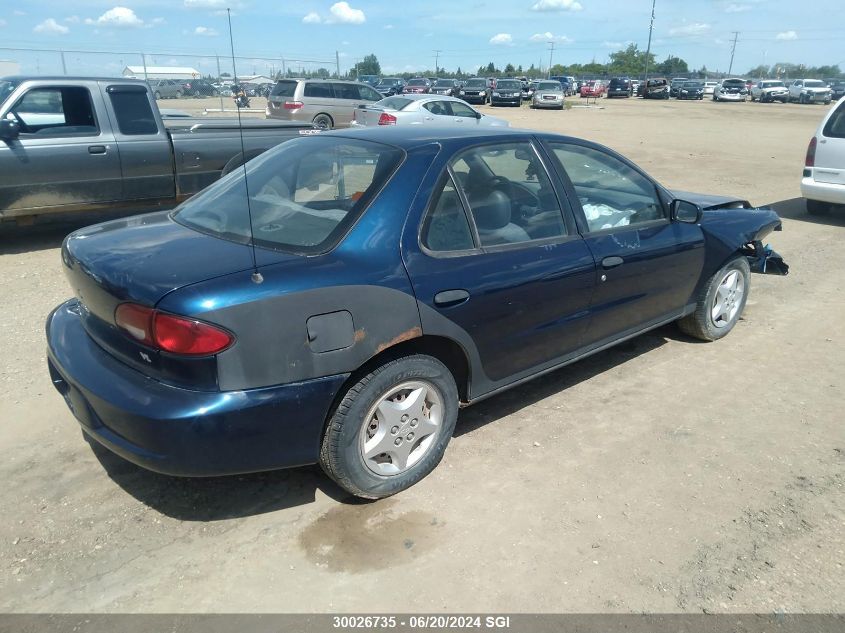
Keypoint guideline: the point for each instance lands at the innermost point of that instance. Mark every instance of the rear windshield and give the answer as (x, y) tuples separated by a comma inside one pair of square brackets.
[(835, 126), (550, 85), (618, 82), (389, 81), (283, 89), (508, 85), (304, 194), (417, 82), (476, 83), (393, 103)]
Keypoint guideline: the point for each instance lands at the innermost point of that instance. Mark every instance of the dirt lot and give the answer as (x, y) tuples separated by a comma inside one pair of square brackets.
[(663, 475)]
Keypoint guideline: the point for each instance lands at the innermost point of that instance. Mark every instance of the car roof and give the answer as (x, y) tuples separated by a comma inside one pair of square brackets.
[(414, 136)]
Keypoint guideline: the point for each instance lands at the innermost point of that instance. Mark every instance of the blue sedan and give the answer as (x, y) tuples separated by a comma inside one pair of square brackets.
[(344, 299)]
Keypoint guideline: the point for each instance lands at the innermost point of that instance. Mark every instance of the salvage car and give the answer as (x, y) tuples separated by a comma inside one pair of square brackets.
[(768, 90), (657, 88), (507, 92), (593, 88), (620, 87), (691, 90), (730, 90), (340, 301), (548, 94), (428, 110), (823, 180), (810, 91), (675, 85)]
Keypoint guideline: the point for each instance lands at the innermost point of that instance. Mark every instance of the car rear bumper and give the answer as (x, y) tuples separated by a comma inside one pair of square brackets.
[(822, 191), (179, 431)]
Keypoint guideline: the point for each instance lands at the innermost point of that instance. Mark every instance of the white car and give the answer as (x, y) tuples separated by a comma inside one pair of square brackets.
[(768, 90), (823, 182), (709, 87), (730, 90), (810, 91), (422, 109)]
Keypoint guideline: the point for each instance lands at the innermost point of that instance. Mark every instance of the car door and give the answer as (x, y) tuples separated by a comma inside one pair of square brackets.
[(647, 266), (347, 97), (462, 113), (65, 155), (437, 112), (496, 262)]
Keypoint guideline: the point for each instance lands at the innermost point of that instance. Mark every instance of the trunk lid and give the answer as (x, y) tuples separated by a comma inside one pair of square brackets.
[(141, 259)]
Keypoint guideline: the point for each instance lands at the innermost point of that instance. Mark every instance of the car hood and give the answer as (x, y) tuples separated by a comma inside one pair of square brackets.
[(710, 201)]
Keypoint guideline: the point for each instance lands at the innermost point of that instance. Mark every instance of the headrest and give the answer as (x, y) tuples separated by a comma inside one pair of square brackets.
[(492, 211)]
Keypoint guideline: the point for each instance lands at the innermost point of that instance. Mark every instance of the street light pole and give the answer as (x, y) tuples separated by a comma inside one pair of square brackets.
[(436, 61), (551, 52)]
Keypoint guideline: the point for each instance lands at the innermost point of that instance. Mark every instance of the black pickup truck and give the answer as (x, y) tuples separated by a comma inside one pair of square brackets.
[(88, 144)]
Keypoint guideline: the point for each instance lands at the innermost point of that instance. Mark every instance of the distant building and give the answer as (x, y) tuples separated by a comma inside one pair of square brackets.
[(8, 67), (256, 79), (162, 72)]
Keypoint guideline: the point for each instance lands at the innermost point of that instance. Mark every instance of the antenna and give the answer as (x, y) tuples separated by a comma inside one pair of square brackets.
[(256, 276)]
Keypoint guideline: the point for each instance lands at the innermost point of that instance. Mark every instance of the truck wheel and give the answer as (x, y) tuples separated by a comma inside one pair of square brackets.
[(323, 121), (157, 95), (392, 427), (720, 302), (817, 207), (178, 94)]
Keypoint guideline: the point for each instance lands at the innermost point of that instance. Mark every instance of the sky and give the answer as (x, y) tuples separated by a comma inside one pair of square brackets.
[(405, 34)]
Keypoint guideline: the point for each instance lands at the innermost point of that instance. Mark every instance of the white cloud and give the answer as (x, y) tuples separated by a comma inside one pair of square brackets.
[(72, 19), (18, 12), (735, 7), (557, 5), (2, 22), (502, 39), (695, 28), (51, 27), (312, 18), (342, 13), (549, 37), (205, 4), (118, 16), (206, 31), (387, 27), (787, 35)]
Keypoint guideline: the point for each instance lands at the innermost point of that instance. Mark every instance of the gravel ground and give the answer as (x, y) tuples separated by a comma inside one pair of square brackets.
[(663, 475)]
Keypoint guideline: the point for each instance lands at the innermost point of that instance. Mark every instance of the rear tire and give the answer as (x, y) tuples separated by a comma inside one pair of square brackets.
[(817, 207), (720, 302), (392, 427), (323, 121)]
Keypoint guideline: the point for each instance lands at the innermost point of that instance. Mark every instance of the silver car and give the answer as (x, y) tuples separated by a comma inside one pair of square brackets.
[(166, 88), (326, 103), (423, 110), (549, 94)]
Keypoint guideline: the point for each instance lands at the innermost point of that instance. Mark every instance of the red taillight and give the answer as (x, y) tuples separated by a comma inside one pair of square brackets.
[(810, 161), (386, 119), (171, 333), (293, 105)]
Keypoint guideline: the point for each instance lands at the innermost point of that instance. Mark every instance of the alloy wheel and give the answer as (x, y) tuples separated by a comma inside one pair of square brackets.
[(728, 299)]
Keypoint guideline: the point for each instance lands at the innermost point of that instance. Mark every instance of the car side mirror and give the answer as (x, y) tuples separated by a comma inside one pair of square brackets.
[(685, 211), (9, 129), (478, 115)]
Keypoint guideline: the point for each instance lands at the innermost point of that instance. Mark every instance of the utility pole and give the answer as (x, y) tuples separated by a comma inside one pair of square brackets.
[(733, 50), (337, 62), (551, 52), (436, 60), (64, 66), (648, 49)]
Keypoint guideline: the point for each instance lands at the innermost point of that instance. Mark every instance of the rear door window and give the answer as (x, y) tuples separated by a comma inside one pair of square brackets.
[(835, 126), (320, 90), (346, 91), (134, 114), (283, 89)]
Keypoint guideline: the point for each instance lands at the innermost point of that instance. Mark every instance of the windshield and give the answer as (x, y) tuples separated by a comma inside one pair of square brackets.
[(6, 88), (304, 194), (476, 83), (445, 83), (508, 85), (393, 103), (814, 83), (417, 82), (692, 84), (773, 84), (550, 85)]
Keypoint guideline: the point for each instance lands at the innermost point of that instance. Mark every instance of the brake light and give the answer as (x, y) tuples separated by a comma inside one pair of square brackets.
[(810, 161), (386, 119), (293, 105), (170, 332)]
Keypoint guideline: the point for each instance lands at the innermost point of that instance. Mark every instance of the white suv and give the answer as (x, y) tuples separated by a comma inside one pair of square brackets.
[(767, 90), (810, 91), (823, 183)]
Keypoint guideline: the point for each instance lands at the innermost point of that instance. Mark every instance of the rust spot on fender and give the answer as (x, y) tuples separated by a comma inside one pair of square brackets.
[(360, 335), (414, 332)]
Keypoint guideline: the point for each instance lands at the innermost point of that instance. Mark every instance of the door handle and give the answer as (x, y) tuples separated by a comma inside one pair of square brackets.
[(611, 262), (96, 149), (450, 297)]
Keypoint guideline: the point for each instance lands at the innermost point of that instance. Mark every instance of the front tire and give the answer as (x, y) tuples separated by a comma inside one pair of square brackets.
[(391, 428), (720, 302)]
